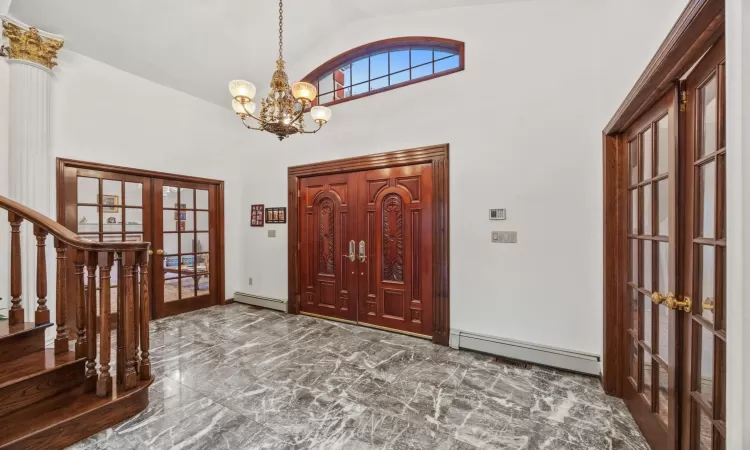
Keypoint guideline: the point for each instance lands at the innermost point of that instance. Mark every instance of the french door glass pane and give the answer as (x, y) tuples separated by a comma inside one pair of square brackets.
[(202, 243), (646, 306), (709, 104), (663, 407), (170, 196), (112, 188), (706, 372), (88, 190), (647, 203), (663, 349), (201, 221), (186, 242), (201, 199), (662, 269), (171, 288), (133, 219), (705, 431), (188, 223), (646, 156), (133, 194), (187, 198), (187, 287), (88, 219), (170, 244), (662, 208), (662, 146), (706, 270), (706, 191), (647, 266), (647, 375), (170, 220), (633, 161)]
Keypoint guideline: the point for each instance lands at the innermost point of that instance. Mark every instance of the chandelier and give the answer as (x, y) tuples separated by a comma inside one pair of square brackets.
[(282, 111)]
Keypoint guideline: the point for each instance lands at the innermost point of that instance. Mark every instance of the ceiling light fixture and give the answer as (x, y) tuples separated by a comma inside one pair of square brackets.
[(282, 111)]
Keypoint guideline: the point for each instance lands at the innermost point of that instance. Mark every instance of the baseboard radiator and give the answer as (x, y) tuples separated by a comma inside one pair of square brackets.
[(263, 302), (574, 361)]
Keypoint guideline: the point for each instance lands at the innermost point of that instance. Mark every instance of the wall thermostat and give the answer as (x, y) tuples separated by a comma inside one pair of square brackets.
[(497, 214)]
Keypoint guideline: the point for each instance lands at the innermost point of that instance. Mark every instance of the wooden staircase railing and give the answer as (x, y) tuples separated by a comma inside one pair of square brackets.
[(131, 258)]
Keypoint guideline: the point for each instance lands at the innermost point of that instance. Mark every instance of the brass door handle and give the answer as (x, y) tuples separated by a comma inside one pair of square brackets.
[(351, 255), (708, 304), (685, 305), (160, 252), (150, 252), (362, 255), (658, 298)]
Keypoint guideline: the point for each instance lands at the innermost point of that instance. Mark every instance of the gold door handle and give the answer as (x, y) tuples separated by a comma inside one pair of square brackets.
[(351, 255), (150, 252), (362, 255), (708, 304), (658, 298), (160, 252), (685, 305)]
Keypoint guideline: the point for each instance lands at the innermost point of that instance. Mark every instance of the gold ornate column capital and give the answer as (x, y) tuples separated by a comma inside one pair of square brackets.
[(29, 44)]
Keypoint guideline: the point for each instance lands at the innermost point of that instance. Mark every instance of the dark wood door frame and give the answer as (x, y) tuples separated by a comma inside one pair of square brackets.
[(697, 29), (64, 163), (436, 155)]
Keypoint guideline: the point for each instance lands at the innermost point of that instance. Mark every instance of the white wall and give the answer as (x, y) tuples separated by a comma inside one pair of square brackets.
[(524, 123), (4, 187), (103, 114), (738, 222)]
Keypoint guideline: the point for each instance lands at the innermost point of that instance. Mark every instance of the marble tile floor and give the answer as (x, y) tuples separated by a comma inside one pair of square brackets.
[(238, 377)]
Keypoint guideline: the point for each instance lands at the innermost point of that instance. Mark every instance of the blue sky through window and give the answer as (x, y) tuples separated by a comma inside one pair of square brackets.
[(383, 69)]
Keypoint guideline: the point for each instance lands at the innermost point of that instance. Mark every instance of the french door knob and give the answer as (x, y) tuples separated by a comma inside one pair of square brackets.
[(160, 252), (150, 252), (658, 298), (684, 305), (708, 304)]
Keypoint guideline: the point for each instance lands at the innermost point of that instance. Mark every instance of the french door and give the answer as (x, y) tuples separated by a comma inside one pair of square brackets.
[(180, 217), (366, 247), (675, 334)]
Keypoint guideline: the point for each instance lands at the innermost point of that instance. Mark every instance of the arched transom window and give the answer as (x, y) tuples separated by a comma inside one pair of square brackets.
[(385, 65)]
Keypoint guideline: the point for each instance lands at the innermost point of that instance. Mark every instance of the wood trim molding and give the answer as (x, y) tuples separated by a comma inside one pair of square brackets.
[(437, 156), (700, 25), (388, 45), (62, 163)]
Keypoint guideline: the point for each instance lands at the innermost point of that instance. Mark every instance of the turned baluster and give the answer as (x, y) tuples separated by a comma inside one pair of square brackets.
[(61, 341), (91, 379), (81, 340), (136, 312), (15, 315), (120, 336), (104, 384), (130, 380), (145, 369), (41, 316)]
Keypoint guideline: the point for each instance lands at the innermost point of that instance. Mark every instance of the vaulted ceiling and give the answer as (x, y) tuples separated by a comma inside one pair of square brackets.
[(197, 46)]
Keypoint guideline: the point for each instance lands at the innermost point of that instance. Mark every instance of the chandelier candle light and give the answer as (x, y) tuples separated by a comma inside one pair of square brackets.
[(282, 111)]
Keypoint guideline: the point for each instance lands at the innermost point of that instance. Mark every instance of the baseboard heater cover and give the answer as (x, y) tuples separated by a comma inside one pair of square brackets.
[(571, 360), (263, 302)]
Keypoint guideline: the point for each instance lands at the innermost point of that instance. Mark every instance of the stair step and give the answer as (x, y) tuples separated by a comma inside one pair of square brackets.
[(69, 417), (35, 377), (20, 340)]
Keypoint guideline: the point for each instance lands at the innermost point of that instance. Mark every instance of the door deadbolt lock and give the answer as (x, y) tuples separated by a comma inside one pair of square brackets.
[(362, 255)]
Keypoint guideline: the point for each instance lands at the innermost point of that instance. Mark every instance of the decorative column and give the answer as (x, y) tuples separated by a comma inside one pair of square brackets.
[(30, 165)]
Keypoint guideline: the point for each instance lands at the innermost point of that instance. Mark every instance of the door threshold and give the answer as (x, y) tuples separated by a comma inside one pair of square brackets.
[(368, 325)]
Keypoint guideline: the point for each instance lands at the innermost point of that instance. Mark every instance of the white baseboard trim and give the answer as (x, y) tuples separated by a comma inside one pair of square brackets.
[(572, 360), (263, 302)]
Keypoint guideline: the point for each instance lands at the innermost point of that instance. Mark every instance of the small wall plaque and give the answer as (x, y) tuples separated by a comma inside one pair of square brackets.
[(276, 215), (256, 216), (497, 214)]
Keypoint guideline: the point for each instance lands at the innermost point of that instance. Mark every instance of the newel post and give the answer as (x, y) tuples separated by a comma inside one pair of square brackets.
[(61, 341), (104, 385), (145, 370), (126, 316)]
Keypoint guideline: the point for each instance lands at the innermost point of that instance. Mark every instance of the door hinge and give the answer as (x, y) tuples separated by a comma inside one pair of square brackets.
[(298, 246), (683, 98), (299, 194)]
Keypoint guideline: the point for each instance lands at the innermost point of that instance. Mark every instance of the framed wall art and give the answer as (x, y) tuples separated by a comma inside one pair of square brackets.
[(276, 215), (256, 215), (110, 203)]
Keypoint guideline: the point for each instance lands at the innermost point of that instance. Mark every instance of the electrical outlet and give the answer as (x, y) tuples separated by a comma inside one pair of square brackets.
[(250, 281), (271, 233), (504, 237)]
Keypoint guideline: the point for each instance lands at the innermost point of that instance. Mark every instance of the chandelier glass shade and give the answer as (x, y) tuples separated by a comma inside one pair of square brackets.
[(282, 112)]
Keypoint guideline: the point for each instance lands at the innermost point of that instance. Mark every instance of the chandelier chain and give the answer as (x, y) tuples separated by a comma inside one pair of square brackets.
[(281, 29)]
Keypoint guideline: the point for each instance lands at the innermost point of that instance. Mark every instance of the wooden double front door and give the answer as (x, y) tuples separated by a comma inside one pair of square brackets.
[(366, 247), (179, 216), (675, 304)]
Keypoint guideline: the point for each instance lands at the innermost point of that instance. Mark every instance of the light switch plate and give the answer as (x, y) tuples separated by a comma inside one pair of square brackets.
[(497, 214), (504, 237), (250, 281), (271, 233)]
